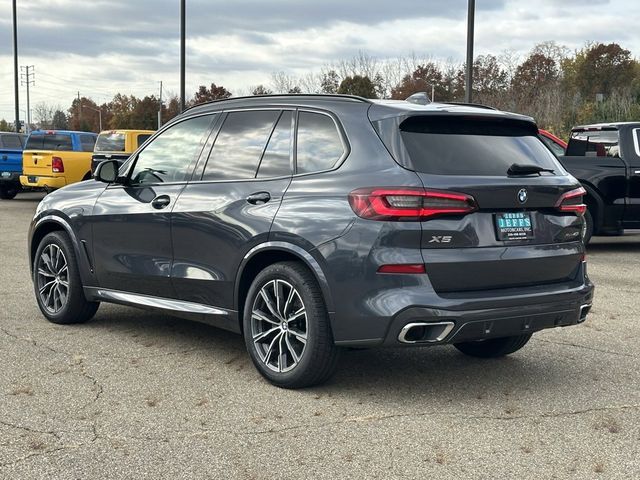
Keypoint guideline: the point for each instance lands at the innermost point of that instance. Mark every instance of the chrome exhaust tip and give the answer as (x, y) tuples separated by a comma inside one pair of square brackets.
[(584, 311), (425, 332)]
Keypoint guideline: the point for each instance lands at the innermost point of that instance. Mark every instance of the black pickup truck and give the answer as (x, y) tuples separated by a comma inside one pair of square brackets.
[(606, 160)]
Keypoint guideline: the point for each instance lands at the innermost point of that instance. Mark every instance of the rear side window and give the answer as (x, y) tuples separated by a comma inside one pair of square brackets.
[(240, 145), (276, 161), (597, 143), (53, 141), (11, 141), (87, 142), (472, 146), (142, 138), (319, 143), (110, 142)]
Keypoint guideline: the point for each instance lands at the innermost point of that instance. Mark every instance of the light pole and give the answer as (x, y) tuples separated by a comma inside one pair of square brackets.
[(15, 67), (95, 110), (469, 73), (182, 53)]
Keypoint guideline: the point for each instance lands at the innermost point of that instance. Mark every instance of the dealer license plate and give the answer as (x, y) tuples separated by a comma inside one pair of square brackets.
[(514, 226)]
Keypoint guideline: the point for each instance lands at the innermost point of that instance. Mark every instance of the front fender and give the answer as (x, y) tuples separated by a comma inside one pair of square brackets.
[(48, 222)]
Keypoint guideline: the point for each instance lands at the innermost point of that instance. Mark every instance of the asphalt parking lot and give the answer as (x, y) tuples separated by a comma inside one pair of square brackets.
[(134, 394)]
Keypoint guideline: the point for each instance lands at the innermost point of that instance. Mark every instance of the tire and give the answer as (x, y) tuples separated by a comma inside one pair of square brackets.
[(51, 278), (8, 192), (317, 354), (588, 227), (495, 347)]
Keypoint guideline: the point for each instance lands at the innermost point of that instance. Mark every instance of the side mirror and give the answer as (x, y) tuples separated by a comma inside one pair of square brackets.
[(107, 171)]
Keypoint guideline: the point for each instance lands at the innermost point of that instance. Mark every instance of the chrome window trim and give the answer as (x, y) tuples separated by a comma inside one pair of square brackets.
[(636, 141)]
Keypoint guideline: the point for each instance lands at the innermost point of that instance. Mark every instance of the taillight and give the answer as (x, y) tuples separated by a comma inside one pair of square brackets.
[(56, 165), (408, 204), (571, 201)]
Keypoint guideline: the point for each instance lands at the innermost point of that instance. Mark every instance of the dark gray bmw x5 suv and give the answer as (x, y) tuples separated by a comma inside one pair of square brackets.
[(310, 223)]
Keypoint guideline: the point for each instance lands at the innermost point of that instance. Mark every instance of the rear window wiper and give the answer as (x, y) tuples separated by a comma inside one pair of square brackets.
[(524, 169)]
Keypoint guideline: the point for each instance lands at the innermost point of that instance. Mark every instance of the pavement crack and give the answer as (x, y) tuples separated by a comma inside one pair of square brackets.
[(29, 429), (593, 349), (37, 454), (31, 341), (377, 418)]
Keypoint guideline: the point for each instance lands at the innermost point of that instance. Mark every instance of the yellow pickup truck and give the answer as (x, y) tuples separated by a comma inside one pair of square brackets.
[(118, 145), (55, 158)]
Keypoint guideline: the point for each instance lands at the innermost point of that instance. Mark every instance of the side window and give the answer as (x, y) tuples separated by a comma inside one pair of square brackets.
[(87, 142), (276, 159), (319, 143), (141, 139), (594, 143), (240, 144), (171, 155)]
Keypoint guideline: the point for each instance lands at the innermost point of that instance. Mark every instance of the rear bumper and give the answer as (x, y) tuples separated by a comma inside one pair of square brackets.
[(9, 177), (459, 318), (484, 324), (42, 182)]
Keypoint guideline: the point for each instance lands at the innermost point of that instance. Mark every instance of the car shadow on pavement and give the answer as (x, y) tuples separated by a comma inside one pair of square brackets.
[(397, 374)]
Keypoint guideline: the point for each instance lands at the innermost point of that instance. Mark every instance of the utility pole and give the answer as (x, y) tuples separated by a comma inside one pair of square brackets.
[(28, 80), (469, 73), (16, 87), (182, 52), (160, 109), (95, 110)]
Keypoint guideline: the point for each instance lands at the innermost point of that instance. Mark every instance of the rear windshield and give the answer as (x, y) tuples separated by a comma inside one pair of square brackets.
[(11, 141), (110, 142), (597, 143), (49, 141), (472, 146)]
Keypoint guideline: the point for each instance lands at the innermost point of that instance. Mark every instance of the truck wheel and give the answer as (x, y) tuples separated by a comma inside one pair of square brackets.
[(493, 348), (286, 327), (8, 192), (587, 230), (57, 283)]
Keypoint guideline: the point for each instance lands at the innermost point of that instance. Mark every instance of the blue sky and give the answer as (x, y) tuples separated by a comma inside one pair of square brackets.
[(103, 47)]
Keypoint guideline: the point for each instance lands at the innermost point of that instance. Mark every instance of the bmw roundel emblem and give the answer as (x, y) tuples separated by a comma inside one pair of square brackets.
[(522, 195)]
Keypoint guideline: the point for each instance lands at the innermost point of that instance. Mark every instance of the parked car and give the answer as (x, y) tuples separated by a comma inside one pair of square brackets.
[(117, 145), (309, 223), (605, 158), (55, 158), (11, 145), (553, 143)]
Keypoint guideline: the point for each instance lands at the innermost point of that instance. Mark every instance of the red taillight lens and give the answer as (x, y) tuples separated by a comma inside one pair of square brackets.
[(571, 201), (403, 268), (408, 204), (56, 165)]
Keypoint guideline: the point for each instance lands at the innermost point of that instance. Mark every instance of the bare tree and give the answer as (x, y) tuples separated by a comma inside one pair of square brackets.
[(43, 114)]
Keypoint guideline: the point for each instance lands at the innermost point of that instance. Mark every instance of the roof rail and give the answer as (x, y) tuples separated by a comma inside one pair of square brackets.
[(465, 104), (286, 95)]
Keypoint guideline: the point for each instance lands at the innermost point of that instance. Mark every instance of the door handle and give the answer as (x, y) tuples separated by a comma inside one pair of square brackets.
[(160, 202), (259, 198)]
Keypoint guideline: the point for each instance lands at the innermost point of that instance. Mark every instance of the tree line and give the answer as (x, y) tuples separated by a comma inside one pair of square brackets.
[(559, 88)]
